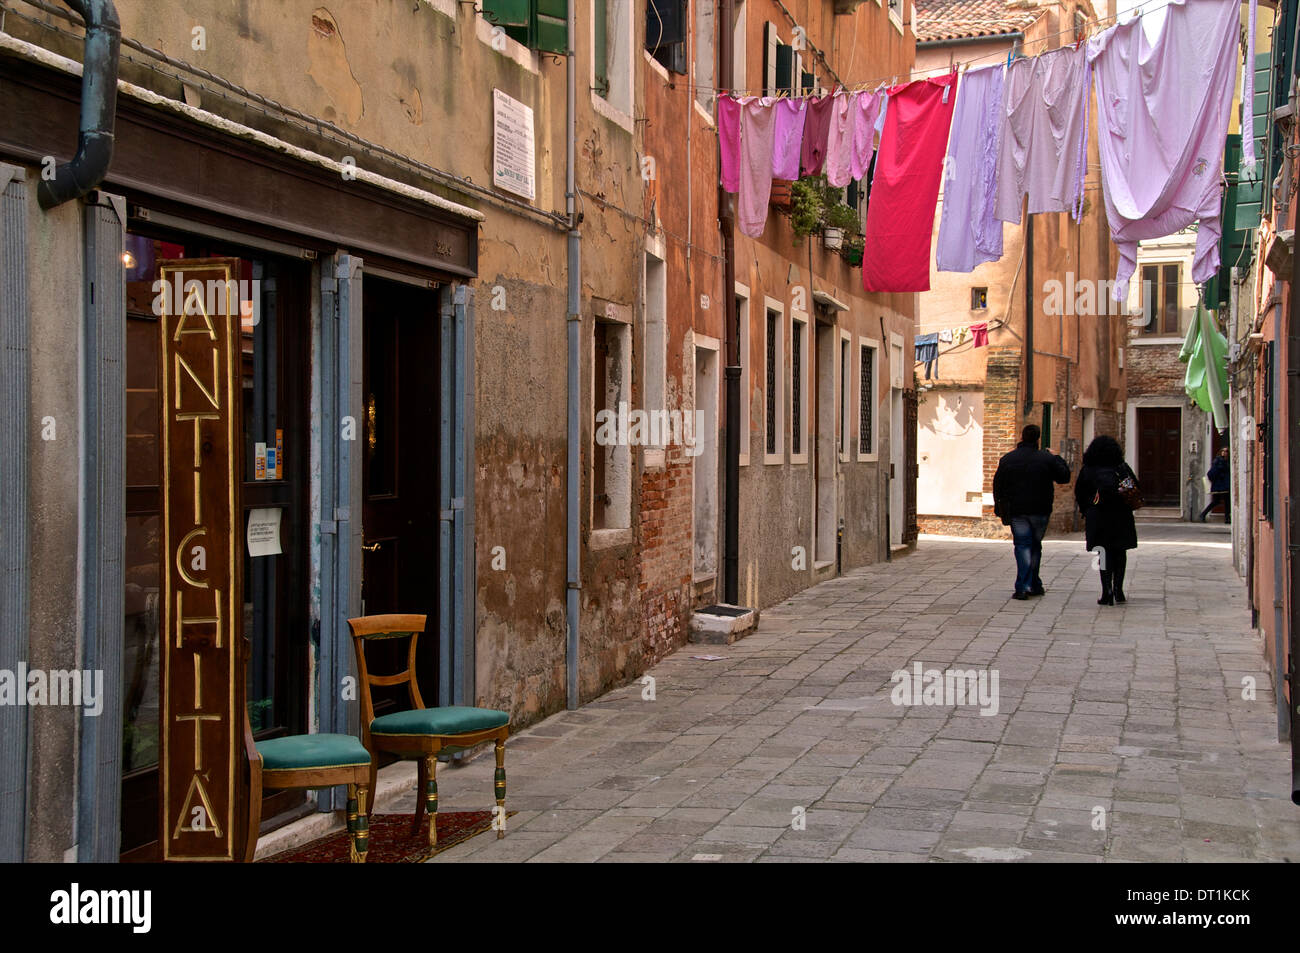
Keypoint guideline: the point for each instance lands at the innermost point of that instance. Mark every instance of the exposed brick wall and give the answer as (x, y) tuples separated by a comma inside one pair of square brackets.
[(1154, 370), (1001, 413), (667, 555), (990, 528)]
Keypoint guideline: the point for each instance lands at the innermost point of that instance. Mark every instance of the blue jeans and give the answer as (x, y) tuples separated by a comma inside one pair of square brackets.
[(1027, 534)]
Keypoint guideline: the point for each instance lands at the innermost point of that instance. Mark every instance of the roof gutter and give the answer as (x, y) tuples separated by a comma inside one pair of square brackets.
[(1018, 36), (74, 179)]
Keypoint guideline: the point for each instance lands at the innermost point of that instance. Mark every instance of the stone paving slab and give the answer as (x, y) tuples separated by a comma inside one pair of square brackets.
[(1120, 733)]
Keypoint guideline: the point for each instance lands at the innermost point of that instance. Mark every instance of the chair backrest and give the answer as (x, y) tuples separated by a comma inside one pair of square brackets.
[(395, 626)]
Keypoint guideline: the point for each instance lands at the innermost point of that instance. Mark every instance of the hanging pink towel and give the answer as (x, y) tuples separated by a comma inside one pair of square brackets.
[(980, 334), (788, 138), (757, 127), (1044, 144), (815, 131), (729, 142), (867, 108), (1163, 108), (900, 218), (839, 140)]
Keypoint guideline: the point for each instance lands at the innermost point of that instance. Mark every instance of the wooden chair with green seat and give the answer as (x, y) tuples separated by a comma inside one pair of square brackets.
[(422, 734), (311, 761)]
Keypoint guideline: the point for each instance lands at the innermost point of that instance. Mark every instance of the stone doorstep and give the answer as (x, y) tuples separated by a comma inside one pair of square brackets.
[(396, 781), (709, 629)]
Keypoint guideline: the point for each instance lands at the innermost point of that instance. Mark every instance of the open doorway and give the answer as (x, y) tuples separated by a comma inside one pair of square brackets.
[(401, 454)]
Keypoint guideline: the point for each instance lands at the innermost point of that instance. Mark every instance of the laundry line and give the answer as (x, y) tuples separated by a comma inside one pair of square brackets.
[(894, 79)]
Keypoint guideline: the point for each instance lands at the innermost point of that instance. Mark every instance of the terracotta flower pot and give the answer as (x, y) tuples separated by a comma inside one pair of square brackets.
[(780, 193)]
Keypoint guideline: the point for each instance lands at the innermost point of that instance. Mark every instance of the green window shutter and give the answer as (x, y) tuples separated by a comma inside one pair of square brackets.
[(550, 31), (511, 15), (600, 55)]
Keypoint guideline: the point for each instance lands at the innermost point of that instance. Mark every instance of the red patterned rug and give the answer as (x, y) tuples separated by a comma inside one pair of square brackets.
[(391, 841)]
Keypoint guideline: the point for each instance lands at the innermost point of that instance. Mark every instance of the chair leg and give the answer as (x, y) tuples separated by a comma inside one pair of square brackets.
[(360, 824), (499, 788), (421, 786), (431, 796)]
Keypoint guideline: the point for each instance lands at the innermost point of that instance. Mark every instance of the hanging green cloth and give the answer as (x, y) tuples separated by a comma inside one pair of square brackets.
[(1206, 389)]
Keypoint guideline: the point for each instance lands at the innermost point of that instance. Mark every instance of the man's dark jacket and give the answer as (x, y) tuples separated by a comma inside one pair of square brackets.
[(1023, 484)]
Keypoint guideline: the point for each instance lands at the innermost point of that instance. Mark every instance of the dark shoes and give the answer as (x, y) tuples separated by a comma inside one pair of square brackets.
[(1107, 599), (1120, 598), (1040, 591), (1022, 596)]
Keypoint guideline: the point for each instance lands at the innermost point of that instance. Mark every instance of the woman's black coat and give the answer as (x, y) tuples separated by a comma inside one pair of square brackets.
[(1109, 523)]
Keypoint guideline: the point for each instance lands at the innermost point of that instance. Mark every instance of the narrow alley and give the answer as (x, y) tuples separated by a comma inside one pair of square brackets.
[(1120, 733)]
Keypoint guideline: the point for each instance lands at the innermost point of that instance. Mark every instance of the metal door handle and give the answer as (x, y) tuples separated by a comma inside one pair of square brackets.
[(372, 547)]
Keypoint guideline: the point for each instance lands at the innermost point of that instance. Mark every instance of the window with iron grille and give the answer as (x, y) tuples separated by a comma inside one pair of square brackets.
[(866, 402), (773, 329), (796, 377)]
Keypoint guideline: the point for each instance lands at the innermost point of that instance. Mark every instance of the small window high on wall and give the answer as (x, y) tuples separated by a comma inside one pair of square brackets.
[(665, 33)]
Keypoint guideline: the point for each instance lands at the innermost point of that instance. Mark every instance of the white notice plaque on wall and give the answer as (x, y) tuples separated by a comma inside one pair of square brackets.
[(512, 146)]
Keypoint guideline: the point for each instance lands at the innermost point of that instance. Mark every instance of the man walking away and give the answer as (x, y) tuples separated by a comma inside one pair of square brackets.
[(1022, 497), (1220, 486)]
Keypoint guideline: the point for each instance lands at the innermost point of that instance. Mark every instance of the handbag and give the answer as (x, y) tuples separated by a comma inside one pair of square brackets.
[(1128, 488)]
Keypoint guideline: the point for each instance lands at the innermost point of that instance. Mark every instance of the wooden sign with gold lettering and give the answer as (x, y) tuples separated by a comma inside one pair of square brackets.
[(198, 306)]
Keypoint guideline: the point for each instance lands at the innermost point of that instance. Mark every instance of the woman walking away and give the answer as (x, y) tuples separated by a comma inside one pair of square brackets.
[(1107, 515)]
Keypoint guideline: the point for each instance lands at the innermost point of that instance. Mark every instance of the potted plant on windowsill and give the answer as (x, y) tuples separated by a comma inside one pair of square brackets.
[(852, 249), (837, 221), (807, 206)]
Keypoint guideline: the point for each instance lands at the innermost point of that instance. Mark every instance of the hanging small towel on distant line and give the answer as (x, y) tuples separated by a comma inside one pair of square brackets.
[(905, 188), (927, 353), (980, 334), (945, 336)]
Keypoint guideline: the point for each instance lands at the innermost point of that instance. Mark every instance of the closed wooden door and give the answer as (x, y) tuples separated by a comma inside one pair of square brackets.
[(1159, 455)]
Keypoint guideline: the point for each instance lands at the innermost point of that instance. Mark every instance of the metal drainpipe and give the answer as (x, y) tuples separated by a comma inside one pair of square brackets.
[(74, 179), (1029, 312), (731, 338), (573, 584)]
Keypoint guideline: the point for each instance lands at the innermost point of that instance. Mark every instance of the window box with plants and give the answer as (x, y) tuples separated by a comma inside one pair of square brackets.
[(839, 222)]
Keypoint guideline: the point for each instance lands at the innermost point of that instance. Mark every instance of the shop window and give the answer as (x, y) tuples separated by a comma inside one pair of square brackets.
[(665, 33), (273, 301), (537, 24)]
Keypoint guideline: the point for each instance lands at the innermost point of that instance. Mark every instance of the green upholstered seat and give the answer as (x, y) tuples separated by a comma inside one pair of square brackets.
[(298, 752), (449, 720)]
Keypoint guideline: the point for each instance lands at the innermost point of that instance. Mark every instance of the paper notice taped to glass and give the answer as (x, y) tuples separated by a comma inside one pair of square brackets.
[(263, 533)]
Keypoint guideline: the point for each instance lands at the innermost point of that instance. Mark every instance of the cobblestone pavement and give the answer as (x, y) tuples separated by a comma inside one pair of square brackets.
[(1132, 716)]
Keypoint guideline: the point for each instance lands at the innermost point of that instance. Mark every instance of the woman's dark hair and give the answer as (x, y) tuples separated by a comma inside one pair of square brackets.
[(1104, 451)]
